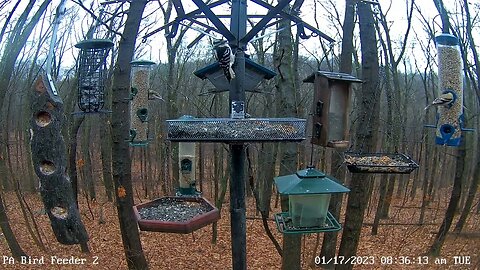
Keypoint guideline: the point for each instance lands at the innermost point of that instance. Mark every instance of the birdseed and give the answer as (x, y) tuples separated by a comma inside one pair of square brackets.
[(140, 101)]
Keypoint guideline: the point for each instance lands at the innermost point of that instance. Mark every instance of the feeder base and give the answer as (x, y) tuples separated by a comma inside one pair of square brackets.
[(285, 225)]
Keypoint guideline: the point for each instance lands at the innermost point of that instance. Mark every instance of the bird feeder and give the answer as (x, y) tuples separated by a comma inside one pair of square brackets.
[(331, 102), (450, 117), (139, 91), (92, 74), (254, 74), (175, 214), (186, 164), (309, 193)]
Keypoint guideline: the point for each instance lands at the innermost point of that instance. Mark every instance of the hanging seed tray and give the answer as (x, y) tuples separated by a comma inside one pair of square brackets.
[(175, 214), (236, 130), (379, 163), (285, 225)]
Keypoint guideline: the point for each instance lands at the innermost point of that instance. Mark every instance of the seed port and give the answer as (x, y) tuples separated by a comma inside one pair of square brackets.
[(43, 118), (47, 167), (59, 212)]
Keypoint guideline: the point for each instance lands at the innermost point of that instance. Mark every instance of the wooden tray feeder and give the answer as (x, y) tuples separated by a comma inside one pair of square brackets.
[(331, 103), (92, 74), (379, 163), (183, 214)]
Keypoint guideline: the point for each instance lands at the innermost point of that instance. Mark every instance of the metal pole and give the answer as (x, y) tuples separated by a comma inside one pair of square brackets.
[(238, 26)]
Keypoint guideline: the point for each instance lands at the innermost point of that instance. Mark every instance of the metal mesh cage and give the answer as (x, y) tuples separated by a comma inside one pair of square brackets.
[(92, 74), (231, 130)]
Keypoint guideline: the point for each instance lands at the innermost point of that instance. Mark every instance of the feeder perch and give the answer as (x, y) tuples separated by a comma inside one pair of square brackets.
[(379, 163), (450, 80), (92, 74), (309, 193), (236, 130), (331, 100), (139, 90), (175, 214), (254, 74)]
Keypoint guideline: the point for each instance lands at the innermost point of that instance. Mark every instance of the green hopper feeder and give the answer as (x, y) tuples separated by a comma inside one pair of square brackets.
[(309, 193)]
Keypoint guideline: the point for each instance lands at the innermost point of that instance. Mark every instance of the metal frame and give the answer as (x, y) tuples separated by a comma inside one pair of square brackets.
[(283, 219)]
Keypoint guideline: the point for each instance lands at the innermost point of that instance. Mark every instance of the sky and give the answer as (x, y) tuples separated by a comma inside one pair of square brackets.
[(395, 10)]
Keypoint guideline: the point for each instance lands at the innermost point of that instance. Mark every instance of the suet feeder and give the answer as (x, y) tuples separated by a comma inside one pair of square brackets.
[(450, 80), (309, 193), (175, 214), (254, 74), (331, 103), (139, 91), (92, 74)]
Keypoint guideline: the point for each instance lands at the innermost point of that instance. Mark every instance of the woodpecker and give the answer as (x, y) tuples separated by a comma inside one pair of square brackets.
[(444, 99), (225, 58)]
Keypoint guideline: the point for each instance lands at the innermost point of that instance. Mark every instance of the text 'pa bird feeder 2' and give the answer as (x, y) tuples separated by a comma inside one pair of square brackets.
[(139, 91), (331, 103), (450, 117), (309, 193), (92, 74)]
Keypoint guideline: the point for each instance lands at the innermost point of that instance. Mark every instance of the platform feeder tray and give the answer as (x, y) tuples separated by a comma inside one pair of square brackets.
[(232, 130), (285, 225), (379, 163), (175, 214)]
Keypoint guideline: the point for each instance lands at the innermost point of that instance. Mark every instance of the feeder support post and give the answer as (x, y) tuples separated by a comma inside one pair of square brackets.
[(238, 27)]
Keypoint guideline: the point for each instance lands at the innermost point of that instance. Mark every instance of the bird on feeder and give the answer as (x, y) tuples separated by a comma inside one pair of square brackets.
[(444, 99), (225, 57)]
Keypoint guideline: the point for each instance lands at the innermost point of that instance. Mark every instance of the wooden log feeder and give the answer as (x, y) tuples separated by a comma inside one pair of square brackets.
[(139, 93), (49, 161), (331, 103), (450, 80)]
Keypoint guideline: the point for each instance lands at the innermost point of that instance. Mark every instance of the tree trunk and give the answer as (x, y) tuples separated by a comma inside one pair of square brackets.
[(121, 161), (368, 102)]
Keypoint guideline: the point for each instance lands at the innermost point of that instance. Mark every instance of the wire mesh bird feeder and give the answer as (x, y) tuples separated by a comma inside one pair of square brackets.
[(450, 117), (139, 92), (92, 74), (309, 193), (331, 103)]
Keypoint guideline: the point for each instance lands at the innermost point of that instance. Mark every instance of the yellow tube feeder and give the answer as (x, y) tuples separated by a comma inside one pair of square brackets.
[(139, 90), (450, 80)]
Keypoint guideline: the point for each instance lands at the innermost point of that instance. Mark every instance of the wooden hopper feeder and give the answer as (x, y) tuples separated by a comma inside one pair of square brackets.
[(175, 214), (331, 100)]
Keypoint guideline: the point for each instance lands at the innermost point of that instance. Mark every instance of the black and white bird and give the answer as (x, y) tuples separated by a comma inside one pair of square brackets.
[(225, 58), (444, 99)]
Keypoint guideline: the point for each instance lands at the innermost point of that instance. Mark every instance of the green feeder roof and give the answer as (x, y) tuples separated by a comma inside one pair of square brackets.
[(94, 44), (308, 181), (142, 62)]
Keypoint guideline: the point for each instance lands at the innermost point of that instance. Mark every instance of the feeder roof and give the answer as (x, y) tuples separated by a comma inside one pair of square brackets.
[(447, 39), (338, 76), (142, 62), (308, 181), (94, 44), (249, 64)]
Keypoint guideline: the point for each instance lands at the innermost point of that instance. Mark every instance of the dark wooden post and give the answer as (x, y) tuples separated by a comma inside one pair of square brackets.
[(49, 160)]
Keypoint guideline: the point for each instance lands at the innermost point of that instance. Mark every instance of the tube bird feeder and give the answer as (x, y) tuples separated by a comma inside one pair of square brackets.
[(331, 103), (450, 117), (186, 160), (309, 193), (139, 91), (92, 74)]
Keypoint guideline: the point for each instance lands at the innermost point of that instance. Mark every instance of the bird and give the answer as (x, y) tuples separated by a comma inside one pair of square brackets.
[(225, 58), (153, 95), (444, 99)]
